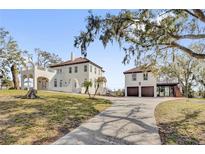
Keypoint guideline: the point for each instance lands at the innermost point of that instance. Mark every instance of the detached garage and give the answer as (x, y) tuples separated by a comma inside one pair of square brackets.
[(132, 91), (147, 91)]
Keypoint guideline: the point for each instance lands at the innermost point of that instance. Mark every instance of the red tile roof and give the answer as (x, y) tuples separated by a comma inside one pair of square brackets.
[(78, 60), (136, 70)]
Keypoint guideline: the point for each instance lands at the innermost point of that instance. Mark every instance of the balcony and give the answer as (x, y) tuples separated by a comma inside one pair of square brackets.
[(167, 80)]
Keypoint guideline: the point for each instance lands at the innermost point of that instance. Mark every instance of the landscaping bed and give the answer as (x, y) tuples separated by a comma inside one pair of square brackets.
[(43, 120), (181, 121)]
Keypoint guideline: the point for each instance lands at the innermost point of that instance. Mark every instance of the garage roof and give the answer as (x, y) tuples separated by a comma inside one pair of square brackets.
[(136, 70)]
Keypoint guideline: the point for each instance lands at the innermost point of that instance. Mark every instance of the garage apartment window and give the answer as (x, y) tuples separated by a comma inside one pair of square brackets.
[(134, 77), (55, 83), (145, 76)]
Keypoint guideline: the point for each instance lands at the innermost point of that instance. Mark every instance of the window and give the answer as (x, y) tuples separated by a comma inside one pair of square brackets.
[(91, 68), (76, 69), (55, 83), (70, 69), (145, 76), (59, 71), (61, 83), (95, 70), (85, 68), (99, 72), (134, 77)]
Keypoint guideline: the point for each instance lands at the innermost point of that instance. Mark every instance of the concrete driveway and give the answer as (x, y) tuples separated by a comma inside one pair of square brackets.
[(129, 120)]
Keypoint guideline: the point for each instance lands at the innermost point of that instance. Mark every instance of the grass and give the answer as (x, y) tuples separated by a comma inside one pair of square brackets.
[(181, 121), (43, 120)]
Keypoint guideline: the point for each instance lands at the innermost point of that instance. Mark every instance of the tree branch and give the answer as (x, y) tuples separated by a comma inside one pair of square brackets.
[(188, 51), (191, 36), (197, 14)]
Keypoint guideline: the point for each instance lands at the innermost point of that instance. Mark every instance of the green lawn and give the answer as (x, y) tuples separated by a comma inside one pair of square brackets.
[(181, 121), (43, 120)]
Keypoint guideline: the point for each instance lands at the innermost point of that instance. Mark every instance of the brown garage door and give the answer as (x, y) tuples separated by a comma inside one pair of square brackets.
[(132, 91), (147, 91)]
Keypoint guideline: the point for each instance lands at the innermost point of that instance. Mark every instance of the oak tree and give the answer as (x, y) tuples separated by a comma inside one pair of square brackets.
[(147, 34), (11, 57)]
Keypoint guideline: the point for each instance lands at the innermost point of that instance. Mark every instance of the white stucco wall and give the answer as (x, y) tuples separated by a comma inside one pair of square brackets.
[(68, 79), (140, 82), (93, 76), (37, 72)]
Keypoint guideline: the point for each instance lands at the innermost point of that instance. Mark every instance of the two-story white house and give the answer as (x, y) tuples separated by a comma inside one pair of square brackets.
[(67, 76), (144, 84)]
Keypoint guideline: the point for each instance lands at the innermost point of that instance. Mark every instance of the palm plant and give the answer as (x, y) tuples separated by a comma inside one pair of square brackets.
[(87, 84), (99, 80)]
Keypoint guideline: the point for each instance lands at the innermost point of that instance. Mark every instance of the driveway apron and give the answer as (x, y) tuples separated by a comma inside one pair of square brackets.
[(130, 120)]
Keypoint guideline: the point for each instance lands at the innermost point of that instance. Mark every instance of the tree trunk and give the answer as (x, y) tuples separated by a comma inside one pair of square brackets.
[(96, 90), (86, 90), (14, 73), (31, 94)]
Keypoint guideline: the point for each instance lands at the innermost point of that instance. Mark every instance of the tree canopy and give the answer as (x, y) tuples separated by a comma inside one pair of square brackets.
[(147, 34), (45, 58), (11, 56)]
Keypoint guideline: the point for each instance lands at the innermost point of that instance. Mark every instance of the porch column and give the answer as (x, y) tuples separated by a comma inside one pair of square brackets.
[(139, 89), (140, 92), (22, 81), (125, 91), (155, 91), (34, 78), (28, 80)]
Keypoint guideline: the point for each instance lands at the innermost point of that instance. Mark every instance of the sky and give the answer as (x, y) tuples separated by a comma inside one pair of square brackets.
[(54, 31)]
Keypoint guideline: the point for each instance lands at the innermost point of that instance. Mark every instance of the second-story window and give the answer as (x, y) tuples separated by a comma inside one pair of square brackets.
[(99, 72), (91, 68), (59, 71), (134, 77), (95, 70), (76, 69), (70, 69), (145, 76), (55, 83), (85, 68)]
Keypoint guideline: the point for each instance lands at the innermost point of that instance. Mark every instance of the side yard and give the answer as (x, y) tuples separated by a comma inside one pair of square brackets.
[(43, 120), (181, 121)]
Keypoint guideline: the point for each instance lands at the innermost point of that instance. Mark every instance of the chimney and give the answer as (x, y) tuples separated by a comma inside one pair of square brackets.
[(71, 56)]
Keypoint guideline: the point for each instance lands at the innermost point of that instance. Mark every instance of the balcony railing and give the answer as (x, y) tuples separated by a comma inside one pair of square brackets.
[(30, 68), (173, 80), (167, 80)]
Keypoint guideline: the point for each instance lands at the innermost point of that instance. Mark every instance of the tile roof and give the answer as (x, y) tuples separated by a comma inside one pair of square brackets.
[(136, 70), (78, 60)]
